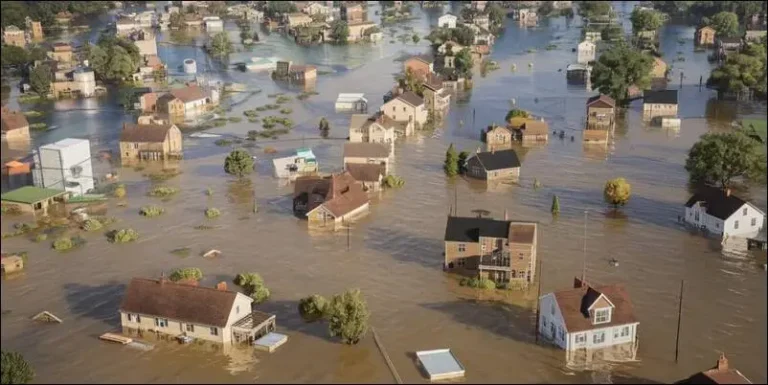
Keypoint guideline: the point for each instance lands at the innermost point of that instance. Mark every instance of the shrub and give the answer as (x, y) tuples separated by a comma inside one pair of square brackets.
[(10, 209), (181, 252), (239, 163), (251, 113), (41, 237), (617, 192), (119, 191), (151, 211), (212, 212), (223, 142), (283, 99), (163, 191), (478, 283), (209, 191), (186, 273), (15, 370), (253, 285), (62, 244), (392, 181), (123, 236), (235, 119), (313, 308), (348, 316), (286, 111), (92, 224)]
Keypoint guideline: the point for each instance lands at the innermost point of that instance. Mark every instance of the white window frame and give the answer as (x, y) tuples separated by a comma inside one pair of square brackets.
[(595, 336), (735, 225), (754, 222), (190, 328), (601, 311), (580, 338), (462, 247), (625, 331), (744, 211), (161, 322), (214, 331)]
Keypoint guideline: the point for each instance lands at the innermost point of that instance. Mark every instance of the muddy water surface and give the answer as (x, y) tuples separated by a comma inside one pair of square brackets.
[(395, 252)]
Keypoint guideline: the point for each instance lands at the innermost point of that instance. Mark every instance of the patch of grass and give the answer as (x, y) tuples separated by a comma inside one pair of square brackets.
[(251, 113), (223, 142), (29, 98), (204, 227), (122, 236), (253, 120), (235, 119), (478, 283), (219, 122), (62, 244), (38, 126), (209, 191), (306, 95), (551, 47), (272, 96), (182, 252), (92, 224), (392, 181), (531, 50), (282, 99), (286, 111), (163, 176), (10, 210), (20, 229), (212, 212), (151, 211), (42, 237), (163, 191), (33, 114)]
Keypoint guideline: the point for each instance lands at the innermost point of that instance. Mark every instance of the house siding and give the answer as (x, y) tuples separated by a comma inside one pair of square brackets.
[(653, 110), (17, 134), (728, 227), (417, 66), (400, 111), (171, 147), (360, 160), (475, 170), (174, 328), (453, 255)]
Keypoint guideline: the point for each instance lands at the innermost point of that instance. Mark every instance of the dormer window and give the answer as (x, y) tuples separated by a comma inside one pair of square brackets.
[(602, 315)]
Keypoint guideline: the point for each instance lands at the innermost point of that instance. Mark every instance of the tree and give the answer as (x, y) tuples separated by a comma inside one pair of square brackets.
[(742, 70), (463, 156), (415, 38), (617, 192), (114, 58), (463, 35), (645, 20), (253, 285), (555, 205), (220, 44), (238, 163), (451, 165), (40, 80), (14, 56), (619, 68), (612, 32), (726, 24), (718, 158), (515, 113), (313, 308), (348, 316), (13, 13), (594, 9), (324, 126), (176, 20), (411, 83), (496, 15), (191, 273), (277, 8), (339, 31), (15, 369), (464, 62)]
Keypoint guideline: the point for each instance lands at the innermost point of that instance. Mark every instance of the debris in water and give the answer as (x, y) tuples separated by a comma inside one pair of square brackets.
[(212, 253), (46, 316), (614, 262)]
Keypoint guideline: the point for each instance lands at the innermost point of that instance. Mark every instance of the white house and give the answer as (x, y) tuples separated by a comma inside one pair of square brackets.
[(351, 102), (450, 47), (64, 165), (407, 107), (586, 52), (213, 23), (482, 21), (447, 21), (723, 214), (587, 317), (303, 162), (211, 314), (373, 129)]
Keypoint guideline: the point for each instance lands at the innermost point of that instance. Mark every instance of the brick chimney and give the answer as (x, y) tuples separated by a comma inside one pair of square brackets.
[(506, 214), (221, 286), (727, 192), (722, 363)]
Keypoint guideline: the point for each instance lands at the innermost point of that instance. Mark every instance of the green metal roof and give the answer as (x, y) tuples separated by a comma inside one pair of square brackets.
[(30, 194)]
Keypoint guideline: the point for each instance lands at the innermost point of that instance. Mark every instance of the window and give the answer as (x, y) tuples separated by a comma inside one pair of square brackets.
[(136, 145), (581, 338), (615, 333), (696, 216), (214, 331), (736, 225), (744, 212), (717, 225), (460, 262), (237, 309), (602, 315), (403, 109), (521, 255), (138, 318), (561, 333), (543, 323), (190, 328), (552, 309), (598, 338), (754, 222), (393, 108), (625, 331), (161, 322), (462, 247), (482, 247), (130, 316)]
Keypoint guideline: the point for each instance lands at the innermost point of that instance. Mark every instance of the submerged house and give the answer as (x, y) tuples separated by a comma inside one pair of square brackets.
[(494, 165), (375, 129), (14, 125), (368, 153), (586, 52), (501, 250), (659, 104), (34, 200), (601, 113), (577, 74), (302, 163), (351, 102), (704, 36), (407, 107), (588, 317), (723, 214), (212, 314), (370, 176), (331, 201), (150, 142), (722, 373)]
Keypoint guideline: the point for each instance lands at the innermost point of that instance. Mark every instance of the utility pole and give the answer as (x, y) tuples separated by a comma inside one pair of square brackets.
[(584, 261), (538, 304), (679, 319), (455, 200), (681, 80)]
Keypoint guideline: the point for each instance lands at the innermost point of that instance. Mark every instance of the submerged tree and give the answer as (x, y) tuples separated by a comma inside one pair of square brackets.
[(238, 163), (451, 164), (253, 285), (463, 156), (620, 68), (313, 308), (617, 192), (348, 316), (718, 158), (15, 369), (555, 205)]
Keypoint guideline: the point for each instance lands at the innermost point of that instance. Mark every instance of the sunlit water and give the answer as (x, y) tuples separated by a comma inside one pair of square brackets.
[(395, 254)]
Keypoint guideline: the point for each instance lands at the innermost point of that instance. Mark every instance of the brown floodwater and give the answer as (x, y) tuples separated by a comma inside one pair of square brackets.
[(395, 252)]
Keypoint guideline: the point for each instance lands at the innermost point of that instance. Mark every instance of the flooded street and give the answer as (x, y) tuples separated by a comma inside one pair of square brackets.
[(395, 256)]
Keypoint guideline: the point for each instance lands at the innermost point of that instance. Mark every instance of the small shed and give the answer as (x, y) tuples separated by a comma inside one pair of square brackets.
[(440, 364), (11, 264), (351, 102), (31, 199)]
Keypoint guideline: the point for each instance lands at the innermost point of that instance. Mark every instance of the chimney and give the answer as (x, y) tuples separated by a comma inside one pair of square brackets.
[(727, 192), (722, 363), (578, 283), (506, 214), (221, 286)]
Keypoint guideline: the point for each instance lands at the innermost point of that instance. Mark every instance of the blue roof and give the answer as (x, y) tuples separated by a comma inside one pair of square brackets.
[(305, 153)]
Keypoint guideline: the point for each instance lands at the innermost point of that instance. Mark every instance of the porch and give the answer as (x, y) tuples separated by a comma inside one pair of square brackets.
[(252, 327)]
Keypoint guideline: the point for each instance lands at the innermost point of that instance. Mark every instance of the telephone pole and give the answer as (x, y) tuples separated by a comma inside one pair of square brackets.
[(584, 260), (679, 320)]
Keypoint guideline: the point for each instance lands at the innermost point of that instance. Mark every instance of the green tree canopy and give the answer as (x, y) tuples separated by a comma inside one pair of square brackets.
[(313, 308), (14, 56), (277, 8), (464, 63), (555, 205), (646, 20), (15, 370), (238, 163), (742, 70), (40, 79), (220, 44), (451, 164), (186, 273), (619, 68), (726, 24), (348, 316), (114, 58), (718, 158), (594, 9), (339, 31), (253, 285), (617, 192), (516, 113), (496, 15)]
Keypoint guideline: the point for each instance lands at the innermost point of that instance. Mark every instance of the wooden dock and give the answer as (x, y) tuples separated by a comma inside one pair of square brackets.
[(111, 337), (386, 357)]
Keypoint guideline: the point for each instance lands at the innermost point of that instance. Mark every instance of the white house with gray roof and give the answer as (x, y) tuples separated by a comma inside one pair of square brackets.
[(723, 214)]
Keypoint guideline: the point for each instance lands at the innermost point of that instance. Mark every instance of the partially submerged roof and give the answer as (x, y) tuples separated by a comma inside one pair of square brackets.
[(719, 204), (421, 58), (345, 97), (535, 127), (411, 98), (367, 172), (440, 364), (342, 194), (193, 304), (469, 229), (575, 303), (660, 97), (30, 194), (498, 160), (366, 150), (522, 232), (64, 143), (720, 374), (145, 133), (12, 120), (601, 101), (189, 93)]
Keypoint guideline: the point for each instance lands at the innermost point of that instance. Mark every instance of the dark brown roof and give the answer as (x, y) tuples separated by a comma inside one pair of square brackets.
[(188, 93), (720, 374), (311, 184), (411, 98), (145, 133), (601, 101), (433, 82), (365, 172), (193, 304), (12, 120), (521, 232), (365, 150), (573, 302), (535, 127), (344, 195)]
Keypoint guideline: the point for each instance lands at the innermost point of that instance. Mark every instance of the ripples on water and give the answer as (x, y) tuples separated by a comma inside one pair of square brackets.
[(395, 254)]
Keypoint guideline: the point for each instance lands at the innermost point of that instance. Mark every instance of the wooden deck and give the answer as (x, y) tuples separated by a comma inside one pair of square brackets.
[(111, 337)]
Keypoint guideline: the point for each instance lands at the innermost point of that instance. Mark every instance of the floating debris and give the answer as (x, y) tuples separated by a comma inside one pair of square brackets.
[(112, 337), (212, 253), (46, 316)]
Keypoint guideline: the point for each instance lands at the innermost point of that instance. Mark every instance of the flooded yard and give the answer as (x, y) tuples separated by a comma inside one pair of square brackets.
[(395, 253)]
